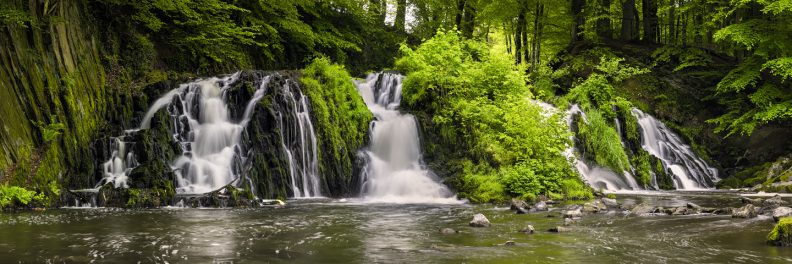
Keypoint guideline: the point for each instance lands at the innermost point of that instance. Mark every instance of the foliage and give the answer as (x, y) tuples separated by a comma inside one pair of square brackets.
[(51, 131), (602, 142), (781, 233), (15, 195), (758, 91), (477, 105)]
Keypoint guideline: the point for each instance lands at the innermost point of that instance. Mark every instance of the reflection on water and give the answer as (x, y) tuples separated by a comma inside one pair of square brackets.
[(326, 231)]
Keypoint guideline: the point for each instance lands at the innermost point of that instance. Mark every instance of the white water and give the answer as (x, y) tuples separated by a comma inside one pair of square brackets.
[(120, 164), (301, 138), (394, 172), (689, 170)]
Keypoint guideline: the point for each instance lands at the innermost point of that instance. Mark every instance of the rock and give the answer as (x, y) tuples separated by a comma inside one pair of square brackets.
[(782, 233), (521, 210), (723, 211), (694, 206), (560, 229), (479, 220), (746, 200), (594, 207), (517, 204), (447, 231), (643, 209), (527, 230), (781, 212), (540, 206), (509, 243), (569, 221), (775, 201), (572, 213), (610, 202), (680, 211), (747, 211)]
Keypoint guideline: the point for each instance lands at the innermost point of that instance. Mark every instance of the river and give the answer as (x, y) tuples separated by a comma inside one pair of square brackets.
[(349, 231)]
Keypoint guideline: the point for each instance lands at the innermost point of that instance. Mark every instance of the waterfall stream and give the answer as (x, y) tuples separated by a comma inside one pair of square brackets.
[(394, 172), (212, 152)]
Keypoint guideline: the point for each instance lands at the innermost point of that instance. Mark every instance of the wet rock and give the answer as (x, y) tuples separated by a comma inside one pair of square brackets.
[(517, 204), (570, 221), (509, 243), (447, 231), (781, 212), (747, 211), (723, 211), (572, 213), (746, 200), (560, 229), (774, 202), (479, 220), (680, 211), (522, 211), (594, 207), (694, 206), (643, 209), (609, 202), (527, 230), (540, 206), (708, 210), (781, 235)]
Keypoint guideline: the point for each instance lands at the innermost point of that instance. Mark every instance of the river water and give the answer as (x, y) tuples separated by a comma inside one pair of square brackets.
[(340, 231)]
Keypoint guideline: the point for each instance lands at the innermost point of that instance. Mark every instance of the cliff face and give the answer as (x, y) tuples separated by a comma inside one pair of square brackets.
[(54, 100)]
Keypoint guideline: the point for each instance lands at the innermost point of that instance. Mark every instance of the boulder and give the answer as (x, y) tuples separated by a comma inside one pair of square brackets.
[(594, 207), (723, 211), (509, 243), (521, 210), (774, 202), (781, 212), (517, 204), (527, 230), (681, 211), (782, 233), (747, 211), (569, 221), (447, 231), (540, 206), (609, 202), (573, 213), (643, 209), (746, 200), (694, 206), (479, 220), (560, 229)]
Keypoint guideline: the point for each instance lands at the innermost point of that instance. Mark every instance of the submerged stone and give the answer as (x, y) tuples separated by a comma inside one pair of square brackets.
[(781, 235), (527, 230), (747, 211), (479, 220), (540, 206), (447, 231), (775, 201), (609, 202), (560, 229)]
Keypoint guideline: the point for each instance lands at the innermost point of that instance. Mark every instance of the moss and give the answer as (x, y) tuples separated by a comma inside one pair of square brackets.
[(781, 235), (643, 168), (602, 143)]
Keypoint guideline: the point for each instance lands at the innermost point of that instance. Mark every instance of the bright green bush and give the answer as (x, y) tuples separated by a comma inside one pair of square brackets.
[(15, 195), (476, 108)]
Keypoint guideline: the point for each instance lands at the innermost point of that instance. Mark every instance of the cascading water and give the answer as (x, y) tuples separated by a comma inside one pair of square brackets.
[(394, 172), (303, 167), (689, 170), (212, 152), (596, 176), (121, 162)]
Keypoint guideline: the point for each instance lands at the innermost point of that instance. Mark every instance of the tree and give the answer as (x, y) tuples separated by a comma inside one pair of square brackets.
[(650, 22), (630, 21)]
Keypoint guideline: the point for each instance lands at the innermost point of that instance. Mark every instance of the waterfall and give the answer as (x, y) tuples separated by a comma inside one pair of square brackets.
[(689, 170), (394, 172), (596, 176), (303, 167), (121, 162), (212, 152)]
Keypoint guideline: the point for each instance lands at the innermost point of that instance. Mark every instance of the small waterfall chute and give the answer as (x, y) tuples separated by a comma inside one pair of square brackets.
[(394, 172)]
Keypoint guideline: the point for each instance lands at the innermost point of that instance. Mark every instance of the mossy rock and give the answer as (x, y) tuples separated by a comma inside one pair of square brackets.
[(782, 233)]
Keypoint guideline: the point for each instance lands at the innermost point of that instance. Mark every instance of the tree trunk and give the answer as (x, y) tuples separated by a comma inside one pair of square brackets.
[(629, 30), (401, 15), (377, 10), (537, 38), (469, 20), (672, 23), (577, 20), (650, 21), (518, 38), (604, 24), (460, 13)]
